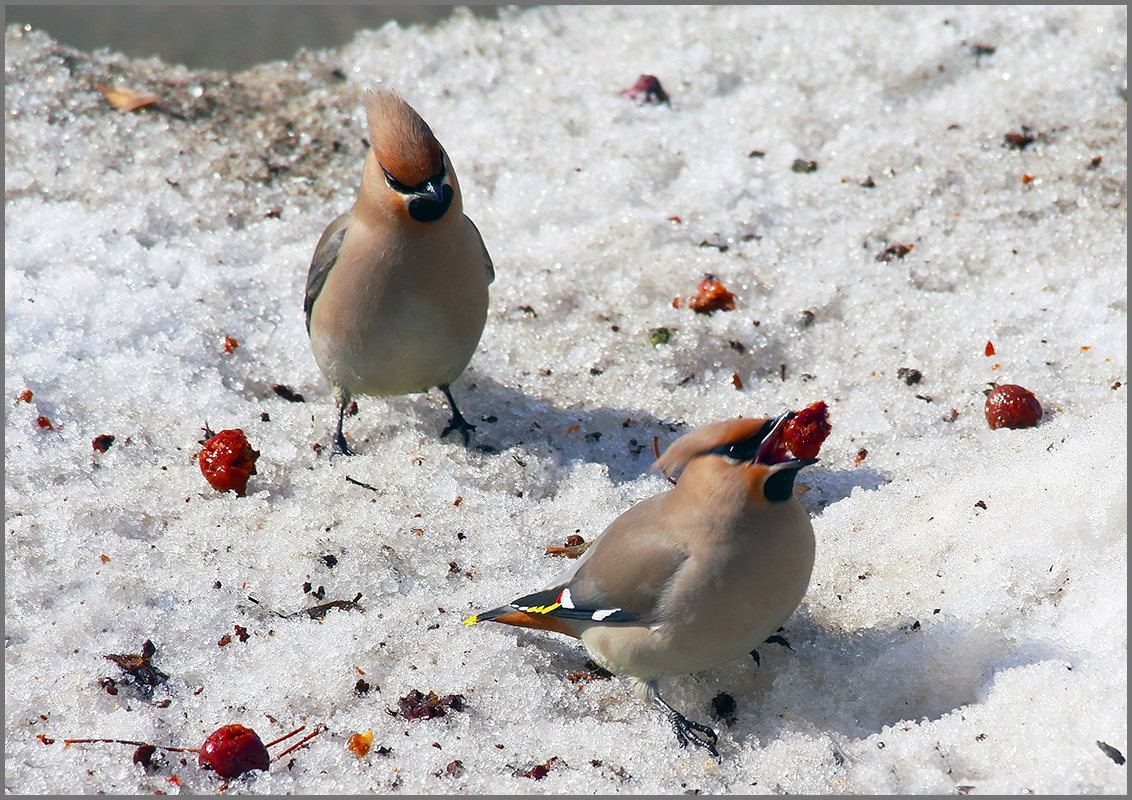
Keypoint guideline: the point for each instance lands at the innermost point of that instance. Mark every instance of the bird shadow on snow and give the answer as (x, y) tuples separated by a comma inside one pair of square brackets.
[(509, 420), (818, 488), (625, 440), (857, 683), (847, 684)]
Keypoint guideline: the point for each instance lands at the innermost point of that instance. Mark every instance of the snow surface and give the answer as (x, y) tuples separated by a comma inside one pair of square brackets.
[(965, 628)]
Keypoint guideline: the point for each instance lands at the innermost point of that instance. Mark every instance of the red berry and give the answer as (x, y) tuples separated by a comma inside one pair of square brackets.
[(233, 750), (227, 460), (807, 430), (1012, 406)]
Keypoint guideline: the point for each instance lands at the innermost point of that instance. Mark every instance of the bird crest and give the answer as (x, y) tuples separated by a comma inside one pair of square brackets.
[(401, 140), (705, 439)]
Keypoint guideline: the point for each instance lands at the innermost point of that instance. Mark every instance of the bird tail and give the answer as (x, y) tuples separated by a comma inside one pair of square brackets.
[(509, 615), (484, 616)]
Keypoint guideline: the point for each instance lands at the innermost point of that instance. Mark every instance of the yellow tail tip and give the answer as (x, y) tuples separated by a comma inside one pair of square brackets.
[(472, 620)]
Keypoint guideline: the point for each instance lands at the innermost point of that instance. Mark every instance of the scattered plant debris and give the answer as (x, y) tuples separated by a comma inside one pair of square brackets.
[(1110, 751), (125, 99), (909, 376), (139, 666), (540, 771), (290, 395), (102, 443), (415, 705), (711, 296), (895, 251), (647, 89), (360, 743)]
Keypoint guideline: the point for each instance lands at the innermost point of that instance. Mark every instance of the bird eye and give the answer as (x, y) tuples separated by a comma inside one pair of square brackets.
[(745, 449), (424, 187), (395, 184), (728, 451)]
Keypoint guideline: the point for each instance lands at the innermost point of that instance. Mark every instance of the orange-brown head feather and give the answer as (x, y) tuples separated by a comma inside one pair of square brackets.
[(402, 141), (703, 439)]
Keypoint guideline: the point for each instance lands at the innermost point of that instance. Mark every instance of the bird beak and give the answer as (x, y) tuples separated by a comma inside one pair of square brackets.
[(774, 452), (434, 190)]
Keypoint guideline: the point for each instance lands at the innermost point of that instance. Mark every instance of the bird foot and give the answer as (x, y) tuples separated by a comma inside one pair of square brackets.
[(699, 735), (458, 423), (340, 448), (688, 731)]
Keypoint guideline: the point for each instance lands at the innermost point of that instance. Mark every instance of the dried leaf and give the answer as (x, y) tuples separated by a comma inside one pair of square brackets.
[(125, 99)]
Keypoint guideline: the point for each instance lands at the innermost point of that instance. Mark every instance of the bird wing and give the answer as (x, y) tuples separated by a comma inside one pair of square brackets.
[(486, 255), (622, 577), (325, 256), (631, 565)]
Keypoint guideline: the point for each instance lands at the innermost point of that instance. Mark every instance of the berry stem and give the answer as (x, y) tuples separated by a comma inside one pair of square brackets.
[(285, 736), (69, 742)]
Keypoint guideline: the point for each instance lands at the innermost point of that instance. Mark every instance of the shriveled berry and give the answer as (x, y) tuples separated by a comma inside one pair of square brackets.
[(233, 750), (1012, 406), (227, 461), (807, 430)]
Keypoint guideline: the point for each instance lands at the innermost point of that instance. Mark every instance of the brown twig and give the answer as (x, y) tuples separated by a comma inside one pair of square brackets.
[(363, 485), (315, 612)]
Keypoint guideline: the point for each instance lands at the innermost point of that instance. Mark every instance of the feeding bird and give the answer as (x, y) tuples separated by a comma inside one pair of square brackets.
[(397, 291), (697, 576)]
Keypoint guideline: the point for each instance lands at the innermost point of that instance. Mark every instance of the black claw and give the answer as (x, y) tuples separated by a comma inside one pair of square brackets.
[(340, 448), (457, 423), (688, 731), (699, 735)]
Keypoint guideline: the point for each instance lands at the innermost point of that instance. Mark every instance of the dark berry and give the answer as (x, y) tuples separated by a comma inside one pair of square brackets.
[(1012, 406)]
